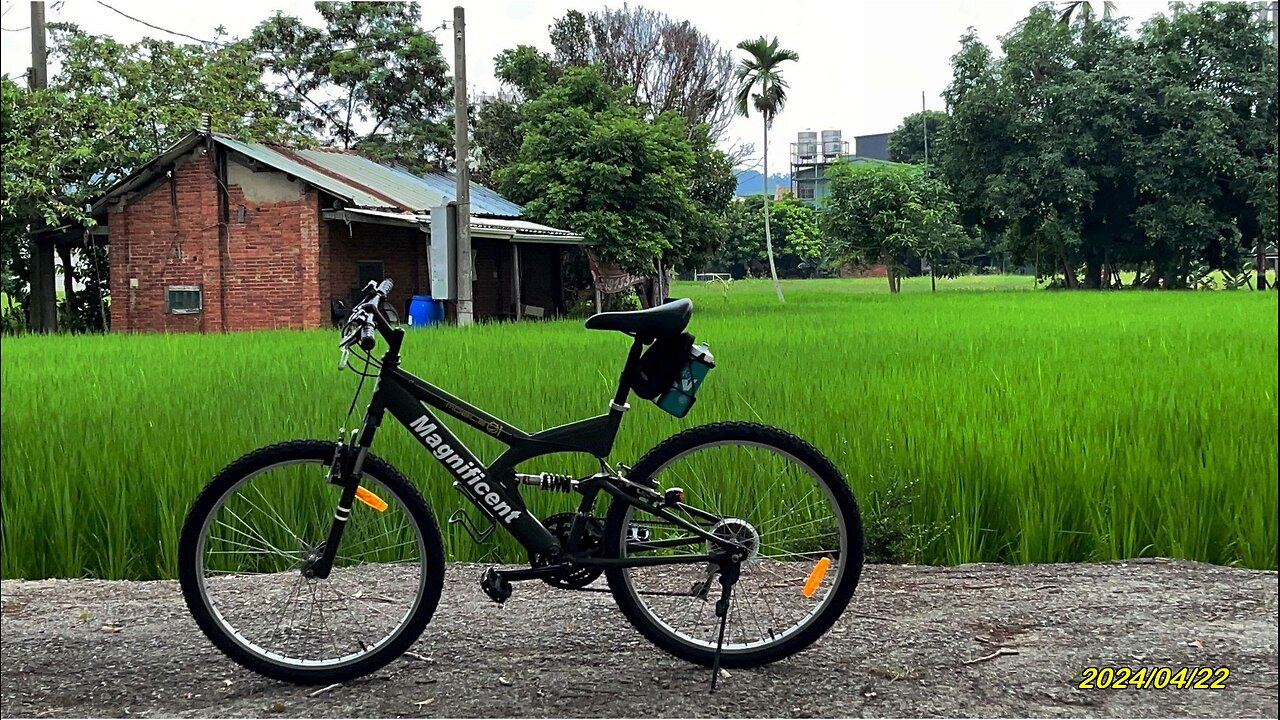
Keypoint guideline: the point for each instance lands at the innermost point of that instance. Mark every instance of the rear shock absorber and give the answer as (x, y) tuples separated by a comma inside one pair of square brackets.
[(549, 481)]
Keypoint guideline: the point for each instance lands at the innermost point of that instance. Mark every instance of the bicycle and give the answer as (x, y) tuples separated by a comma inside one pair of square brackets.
[(347, 535)]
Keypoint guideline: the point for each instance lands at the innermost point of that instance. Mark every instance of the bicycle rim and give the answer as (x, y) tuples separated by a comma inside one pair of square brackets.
[(250, 579), (791, 524)]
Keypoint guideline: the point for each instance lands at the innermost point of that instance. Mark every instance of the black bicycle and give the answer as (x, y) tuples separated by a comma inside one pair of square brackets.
[(733, 543)]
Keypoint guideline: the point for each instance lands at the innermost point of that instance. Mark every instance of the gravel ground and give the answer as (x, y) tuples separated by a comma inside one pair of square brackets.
[(905, 647)]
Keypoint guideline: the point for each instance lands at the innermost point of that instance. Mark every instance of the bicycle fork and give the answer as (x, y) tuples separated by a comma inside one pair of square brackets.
[(345, 472)]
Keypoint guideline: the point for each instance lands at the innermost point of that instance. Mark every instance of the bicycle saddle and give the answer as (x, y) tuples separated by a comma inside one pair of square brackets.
[(668, 318)]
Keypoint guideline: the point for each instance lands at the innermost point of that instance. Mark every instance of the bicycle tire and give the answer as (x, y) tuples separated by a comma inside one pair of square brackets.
[(719, 433), (302, 451)]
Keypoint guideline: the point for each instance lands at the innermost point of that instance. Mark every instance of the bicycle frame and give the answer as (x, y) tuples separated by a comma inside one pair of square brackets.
[(494, 488)]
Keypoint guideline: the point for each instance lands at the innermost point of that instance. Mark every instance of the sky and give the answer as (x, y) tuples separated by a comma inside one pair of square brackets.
[(863, 64)]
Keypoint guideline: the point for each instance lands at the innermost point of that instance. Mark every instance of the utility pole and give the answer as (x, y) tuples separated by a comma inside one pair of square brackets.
[(44, 309), (924, 123), (463, 173)]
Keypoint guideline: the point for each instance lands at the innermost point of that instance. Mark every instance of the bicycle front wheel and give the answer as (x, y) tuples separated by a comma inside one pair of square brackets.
[(764, 488), (253, 529)]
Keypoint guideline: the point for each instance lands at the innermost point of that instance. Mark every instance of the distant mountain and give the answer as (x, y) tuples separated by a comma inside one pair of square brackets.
[(751, 182)]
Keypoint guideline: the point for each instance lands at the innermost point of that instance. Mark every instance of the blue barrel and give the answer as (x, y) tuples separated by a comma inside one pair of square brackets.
[(425, 310)]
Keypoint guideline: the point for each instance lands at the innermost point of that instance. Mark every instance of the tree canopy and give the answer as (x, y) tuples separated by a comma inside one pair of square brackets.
[(371, 79), (1093, 149), (907, 141), (589, 160), (110, 107), (887, 214)]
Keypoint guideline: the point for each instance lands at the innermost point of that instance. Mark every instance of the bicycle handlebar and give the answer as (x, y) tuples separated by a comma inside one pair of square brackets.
[(369, 315)]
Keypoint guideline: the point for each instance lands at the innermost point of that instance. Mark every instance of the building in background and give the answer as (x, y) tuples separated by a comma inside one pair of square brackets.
[(812, 154), (217, 234), (875, 147), (810, 158)]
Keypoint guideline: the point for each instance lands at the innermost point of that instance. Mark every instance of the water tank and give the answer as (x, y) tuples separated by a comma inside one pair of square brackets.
[(425, 310), (832, 145), (806, 144)]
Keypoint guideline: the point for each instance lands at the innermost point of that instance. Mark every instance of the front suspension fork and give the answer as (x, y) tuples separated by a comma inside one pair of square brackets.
[(348, 465)]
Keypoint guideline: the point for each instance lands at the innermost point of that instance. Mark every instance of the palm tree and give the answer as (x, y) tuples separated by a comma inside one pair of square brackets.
[(1084, 9), (760, 84)]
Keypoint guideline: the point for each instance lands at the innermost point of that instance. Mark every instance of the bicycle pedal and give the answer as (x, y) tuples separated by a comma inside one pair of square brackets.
[(497, 587)]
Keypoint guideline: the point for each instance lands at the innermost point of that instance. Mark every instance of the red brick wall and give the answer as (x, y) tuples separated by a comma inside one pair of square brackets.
[(273, 273), (158, 243), (168, 235), (402, 250)]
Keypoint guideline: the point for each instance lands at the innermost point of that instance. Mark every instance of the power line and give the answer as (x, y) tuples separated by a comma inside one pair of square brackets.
[(156, 27), (26, 27), (218, 43)]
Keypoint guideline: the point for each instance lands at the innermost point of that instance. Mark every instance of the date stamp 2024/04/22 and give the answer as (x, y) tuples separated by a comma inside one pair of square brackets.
[(1154, 678)]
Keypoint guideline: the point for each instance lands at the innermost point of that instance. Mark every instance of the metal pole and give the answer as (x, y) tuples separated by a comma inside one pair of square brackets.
[(924, 122), (465, 315)]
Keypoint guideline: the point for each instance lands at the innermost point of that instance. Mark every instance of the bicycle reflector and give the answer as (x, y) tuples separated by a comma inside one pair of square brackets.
[(818, 572), (374, 501)]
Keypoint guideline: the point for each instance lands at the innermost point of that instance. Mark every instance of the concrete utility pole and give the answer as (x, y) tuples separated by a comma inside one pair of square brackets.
[(465, 314), (44, 307), (924, 123)]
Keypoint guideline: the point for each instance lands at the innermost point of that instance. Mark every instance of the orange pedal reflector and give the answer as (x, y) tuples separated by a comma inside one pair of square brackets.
[(374, 501), (818, 572)]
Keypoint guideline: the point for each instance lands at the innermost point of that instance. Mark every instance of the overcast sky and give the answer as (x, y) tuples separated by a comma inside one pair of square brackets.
[(862, 64)]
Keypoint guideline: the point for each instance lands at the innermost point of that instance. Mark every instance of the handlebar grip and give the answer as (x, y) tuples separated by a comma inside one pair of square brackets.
[(366, 337), (384, 288)]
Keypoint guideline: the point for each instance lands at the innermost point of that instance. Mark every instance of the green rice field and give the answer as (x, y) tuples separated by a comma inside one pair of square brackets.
[(1016, 425)]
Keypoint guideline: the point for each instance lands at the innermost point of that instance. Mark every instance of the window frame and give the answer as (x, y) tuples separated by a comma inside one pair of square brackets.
[(168, 299), (382, 270)]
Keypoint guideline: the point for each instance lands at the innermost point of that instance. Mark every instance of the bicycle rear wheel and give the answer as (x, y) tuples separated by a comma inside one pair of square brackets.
[(767, 489), (250, 532)]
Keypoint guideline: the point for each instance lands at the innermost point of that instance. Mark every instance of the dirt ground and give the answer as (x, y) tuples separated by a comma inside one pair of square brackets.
[(905, 647)]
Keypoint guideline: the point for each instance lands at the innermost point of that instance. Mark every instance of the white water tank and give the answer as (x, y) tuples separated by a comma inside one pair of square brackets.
[(831, 143), (806, 145)]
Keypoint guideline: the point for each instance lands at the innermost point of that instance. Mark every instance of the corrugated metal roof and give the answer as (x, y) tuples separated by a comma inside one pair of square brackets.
[(408, 191), (523, 227), (366, 183), (483, 200), (502, 228), (335, 186)]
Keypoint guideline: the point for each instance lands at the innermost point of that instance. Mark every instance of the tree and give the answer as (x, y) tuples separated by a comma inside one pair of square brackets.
[(1088, 148), (371, 79), (802, 249), (666, 64), (887, 214), (907, 142), (760, 84), (525, 72), (110, 107), (1084, 10), (591, 161)]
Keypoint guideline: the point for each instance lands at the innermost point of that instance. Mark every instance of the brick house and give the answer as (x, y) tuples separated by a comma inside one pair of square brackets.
[(217, 234)]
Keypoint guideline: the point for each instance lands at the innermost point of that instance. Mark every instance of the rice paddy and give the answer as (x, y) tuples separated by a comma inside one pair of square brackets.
[(1031, 426)]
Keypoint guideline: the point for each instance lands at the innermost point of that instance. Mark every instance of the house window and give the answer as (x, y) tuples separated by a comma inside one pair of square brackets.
[(368, 271), (183, 299)]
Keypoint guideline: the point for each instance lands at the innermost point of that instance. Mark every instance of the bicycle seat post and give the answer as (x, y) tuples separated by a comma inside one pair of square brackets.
[(619, 404)]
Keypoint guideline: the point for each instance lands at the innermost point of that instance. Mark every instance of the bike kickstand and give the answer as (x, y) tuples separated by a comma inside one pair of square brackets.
[(728, 576)]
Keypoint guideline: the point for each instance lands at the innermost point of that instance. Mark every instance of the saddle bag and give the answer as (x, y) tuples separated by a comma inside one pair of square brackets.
[(670, 372)]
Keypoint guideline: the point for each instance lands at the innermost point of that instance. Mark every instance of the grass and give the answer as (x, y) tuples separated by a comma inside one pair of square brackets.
[(1036, 426)]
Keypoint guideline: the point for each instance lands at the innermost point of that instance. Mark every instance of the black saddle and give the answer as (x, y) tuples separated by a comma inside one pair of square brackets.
[(669, 318)]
